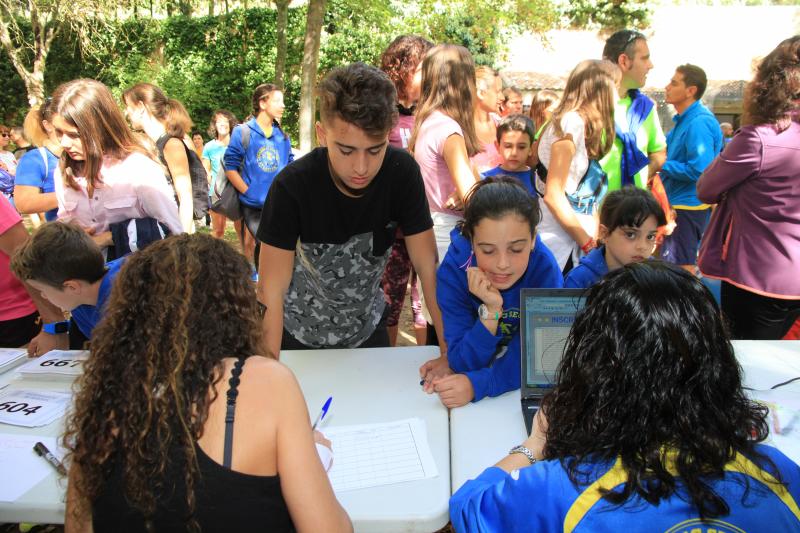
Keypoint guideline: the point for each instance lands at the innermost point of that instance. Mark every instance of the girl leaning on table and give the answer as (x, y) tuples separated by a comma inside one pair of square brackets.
[(647, 429), (493, 253), (149, 441)]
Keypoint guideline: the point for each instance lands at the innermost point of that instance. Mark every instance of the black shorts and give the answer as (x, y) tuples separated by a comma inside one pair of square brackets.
[(19, 331)]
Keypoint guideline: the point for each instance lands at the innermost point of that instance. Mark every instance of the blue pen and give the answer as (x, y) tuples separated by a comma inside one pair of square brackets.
[(322, 413)]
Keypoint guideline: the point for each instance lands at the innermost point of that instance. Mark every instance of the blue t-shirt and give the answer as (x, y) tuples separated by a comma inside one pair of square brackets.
[(542, 498), (34, 172), (522, 175), (88, 316), (213, 151)]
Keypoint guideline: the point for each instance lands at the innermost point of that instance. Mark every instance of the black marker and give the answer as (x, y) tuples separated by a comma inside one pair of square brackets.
[(42, 451)]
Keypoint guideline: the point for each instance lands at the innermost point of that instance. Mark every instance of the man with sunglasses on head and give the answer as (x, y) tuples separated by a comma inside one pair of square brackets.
[(639, 148)]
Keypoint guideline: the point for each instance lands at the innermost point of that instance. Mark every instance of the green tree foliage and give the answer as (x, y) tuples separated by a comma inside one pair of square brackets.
[(609, 15)]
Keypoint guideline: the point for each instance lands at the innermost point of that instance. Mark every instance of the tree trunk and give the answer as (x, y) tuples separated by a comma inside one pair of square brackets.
[(210, 8), (316, 14), (282, 21), (33, 77)]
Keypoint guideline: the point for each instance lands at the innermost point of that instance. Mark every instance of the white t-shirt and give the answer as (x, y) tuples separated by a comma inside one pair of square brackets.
[(551, 232)]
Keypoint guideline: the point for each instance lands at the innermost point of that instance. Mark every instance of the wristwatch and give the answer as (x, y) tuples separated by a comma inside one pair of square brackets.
[(54, 328), (485, 314), (524, 451)]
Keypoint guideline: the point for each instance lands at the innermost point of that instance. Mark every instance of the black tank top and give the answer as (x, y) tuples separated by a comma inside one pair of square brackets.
[(225, 500)]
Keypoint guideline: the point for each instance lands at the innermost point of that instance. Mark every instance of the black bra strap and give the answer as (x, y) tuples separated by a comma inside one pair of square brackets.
[(233, 383)]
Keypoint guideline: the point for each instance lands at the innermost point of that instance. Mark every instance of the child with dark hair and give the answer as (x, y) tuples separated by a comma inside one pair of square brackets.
[(258, 150), (629, 222), (331, 218), (648, 427), (515, 137), (66, 266), (493, 254)]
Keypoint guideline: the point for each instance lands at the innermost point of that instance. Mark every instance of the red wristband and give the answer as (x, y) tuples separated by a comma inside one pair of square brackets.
[(590, 244)]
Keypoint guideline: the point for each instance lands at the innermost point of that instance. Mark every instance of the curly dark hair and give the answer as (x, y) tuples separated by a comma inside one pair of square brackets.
[(145, 388), (361, 95), (649, 376), (773, 97), (232, 122), (401, 58)]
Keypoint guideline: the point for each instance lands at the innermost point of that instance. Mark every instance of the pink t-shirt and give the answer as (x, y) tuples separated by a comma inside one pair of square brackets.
[(14, 299), (401, 133), (135, 187), (487, 159), (428, 151)]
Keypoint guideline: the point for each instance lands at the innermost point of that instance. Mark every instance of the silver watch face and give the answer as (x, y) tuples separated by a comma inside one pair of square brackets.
[(483, 311)]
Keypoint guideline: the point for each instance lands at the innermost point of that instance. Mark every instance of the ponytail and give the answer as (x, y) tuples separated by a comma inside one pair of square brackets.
[(177, 121)]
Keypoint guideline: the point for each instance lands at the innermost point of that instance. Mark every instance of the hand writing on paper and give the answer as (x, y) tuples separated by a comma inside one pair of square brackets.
[(455, 390), (324, 450), (479, 285), (433, 369), (44, 342)]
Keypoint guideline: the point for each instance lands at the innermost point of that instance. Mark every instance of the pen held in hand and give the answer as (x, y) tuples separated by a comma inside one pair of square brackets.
[(322, 413), (42, 451)]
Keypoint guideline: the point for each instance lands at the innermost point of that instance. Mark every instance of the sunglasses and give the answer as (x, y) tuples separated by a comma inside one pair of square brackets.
[(5, 134), (632, 37)]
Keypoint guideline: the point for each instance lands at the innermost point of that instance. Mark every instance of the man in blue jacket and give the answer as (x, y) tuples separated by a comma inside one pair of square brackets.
[(692, 144)]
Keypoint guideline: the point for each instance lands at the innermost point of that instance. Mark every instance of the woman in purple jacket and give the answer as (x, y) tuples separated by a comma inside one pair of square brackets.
[(753, 241)]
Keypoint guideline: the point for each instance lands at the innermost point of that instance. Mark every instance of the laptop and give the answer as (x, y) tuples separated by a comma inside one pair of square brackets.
[(547, 316)]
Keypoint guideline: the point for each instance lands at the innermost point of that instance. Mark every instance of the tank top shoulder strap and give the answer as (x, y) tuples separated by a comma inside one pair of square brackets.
[(233, 392)]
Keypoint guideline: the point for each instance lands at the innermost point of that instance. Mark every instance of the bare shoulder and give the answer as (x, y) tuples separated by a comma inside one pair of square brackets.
[(265, 370)]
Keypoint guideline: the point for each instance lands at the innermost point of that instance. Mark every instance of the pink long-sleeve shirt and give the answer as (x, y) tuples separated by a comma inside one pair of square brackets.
[(134, 187)]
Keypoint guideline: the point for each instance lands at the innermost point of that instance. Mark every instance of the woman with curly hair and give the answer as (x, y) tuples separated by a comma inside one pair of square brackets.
[(177, 425), (647, 428), (752, 243), (402, 62)]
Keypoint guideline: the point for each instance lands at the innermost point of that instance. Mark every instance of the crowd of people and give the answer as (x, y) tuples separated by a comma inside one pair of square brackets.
[(428, 175)]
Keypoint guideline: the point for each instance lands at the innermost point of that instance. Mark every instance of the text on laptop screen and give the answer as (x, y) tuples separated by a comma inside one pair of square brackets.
[(549, 321)]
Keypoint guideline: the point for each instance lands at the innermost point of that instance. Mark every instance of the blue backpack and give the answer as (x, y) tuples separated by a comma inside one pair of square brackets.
[(591, 190)]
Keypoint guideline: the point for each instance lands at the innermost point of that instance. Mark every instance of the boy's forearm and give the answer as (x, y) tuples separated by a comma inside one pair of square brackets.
[(273, 329), (422, 251)]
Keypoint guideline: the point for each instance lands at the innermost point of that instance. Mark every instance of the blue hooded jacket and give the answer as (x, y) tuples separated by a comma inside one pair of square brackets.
[(592, 267), (692, 145), (491, 362), (264, 158)]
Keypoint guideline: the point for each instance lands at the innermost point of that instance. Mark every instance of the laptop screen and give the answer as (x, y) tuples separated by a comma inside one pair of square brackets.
[(548, 315)]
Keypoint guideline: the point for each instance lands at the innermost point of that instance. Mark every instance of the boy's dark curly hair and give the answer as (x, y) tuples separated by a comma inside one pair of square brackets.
[(360, 95)]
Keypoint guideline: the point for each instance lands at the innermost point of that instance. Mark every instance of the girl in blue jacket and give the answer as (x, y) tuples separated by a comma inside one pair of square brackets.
[(629, 221), (493, 254)]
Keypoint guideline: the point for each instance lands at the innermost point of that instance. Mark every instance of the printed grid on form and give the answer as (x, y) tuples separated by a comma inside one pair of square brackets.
[(379, 454)]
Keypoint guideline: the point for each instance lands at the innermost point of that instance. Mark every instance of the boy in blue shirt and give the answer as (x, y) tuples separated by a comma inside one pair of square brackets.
[(64, 264), (514, 140)]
